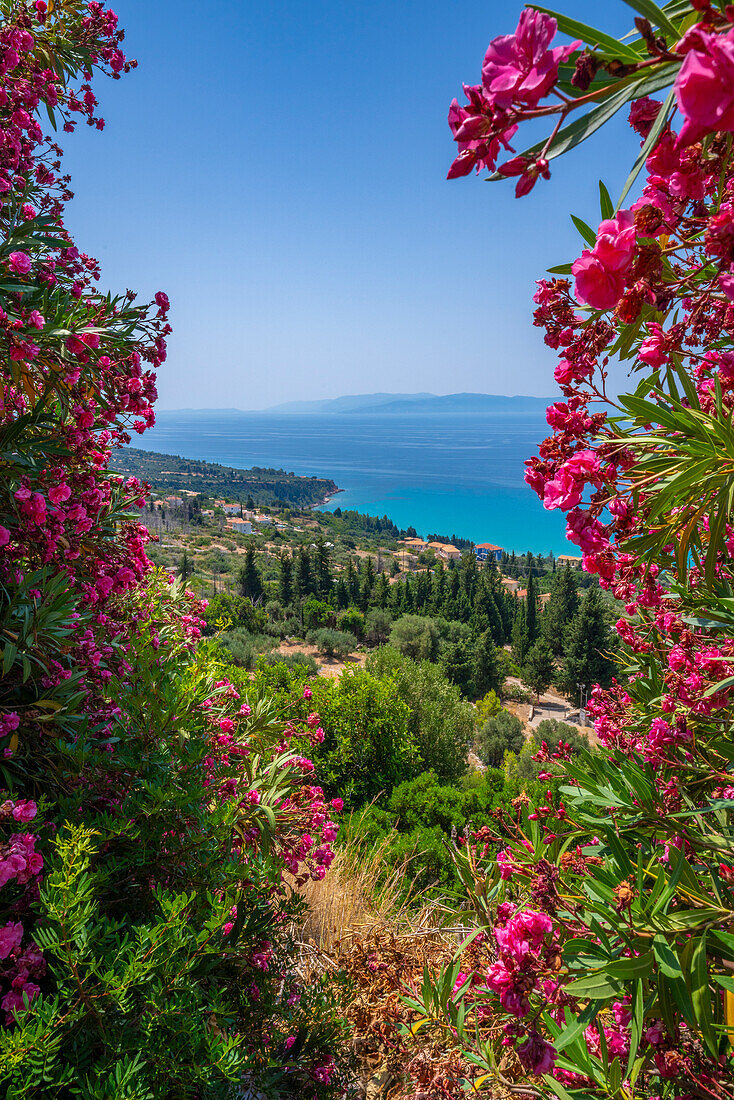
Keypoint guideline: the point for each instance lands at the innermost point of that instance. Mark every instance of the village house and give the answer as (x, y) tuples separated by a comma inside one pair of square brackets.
[(485, 550), (569, 559), (232, 509), (445, 551), (241, 526), (414, 544)]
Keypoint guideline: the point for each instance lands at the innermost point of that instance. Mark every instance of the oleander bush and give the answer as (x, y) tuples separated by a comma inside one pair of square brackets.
[(600, 959), (157, 824)]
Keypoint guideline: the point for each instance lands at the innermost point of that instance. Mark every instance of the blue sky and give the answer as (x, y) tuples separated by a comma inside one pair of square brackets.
[(279, 169)]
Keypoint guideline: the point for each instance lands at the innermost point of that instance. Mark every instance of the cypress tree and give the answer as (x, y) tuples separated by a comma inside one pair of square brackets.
[(587, 644), (520, 640), (304, 578), (285, 580), (531, 613), (560, 609), (249, 579)]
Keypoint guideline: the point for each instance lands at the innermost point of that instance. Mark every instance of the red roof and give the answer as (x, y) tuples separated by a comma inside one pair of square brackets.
[(487, 546)]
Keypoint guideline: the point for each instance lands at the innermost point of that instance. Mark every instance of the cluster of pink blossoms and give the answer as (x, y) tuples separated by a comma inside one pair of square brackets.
[(659, 282), (306, 830), (519, 70)]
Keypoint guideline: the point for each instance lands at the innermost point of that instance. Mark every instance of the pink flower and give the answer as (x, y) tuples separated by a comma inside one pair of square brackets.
[(564, 491), (615, 241), (25, 810), (643, 113), (522, 933), (13, 1001), (596, 285), (10, 937), (59, 493), (19, 263), (337, 804), (652, 348), (536, 1055), (704, 87), (4, 536), (519, 67), (600, 273)]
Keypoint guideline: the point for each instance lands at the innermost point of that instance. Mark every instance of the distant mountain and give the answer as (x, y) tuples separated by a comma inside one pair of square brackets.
[(412, 404), (420, 405), (351, 403)]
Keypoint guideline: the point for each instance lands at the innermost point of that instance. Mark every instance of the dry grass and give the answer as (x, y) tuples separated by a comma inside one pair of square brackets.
[(357, 897)]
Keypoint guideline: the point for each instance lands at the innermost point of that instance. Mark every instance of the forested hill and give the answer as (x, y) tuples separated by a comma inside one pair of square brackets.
[(263, 485)]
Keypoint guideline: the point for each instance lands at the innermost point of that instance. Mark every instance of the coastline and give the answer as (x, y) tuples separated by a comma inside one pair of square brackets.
[(327, 499)]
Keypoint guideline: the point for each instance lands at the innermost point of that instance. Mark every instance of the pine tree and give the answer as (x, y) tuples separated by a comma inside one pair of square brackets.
[(485, 667), (352, 582), (538, 667), (249, 579), (560, 609), (186, 569), (587, 644)]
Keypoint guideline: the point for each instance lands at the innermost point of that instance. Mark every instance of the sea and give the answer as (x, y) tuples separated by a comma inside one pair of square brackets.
[(443, 473)]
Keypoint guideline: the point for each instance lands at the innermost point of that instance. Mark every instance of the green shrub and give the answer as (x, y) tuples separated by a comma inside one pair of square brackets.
[(377, 626), (317, 615), (415, 637), (352, 621), (294, 660), (368, 746), (332, 643), (500, 734), (442, 723)]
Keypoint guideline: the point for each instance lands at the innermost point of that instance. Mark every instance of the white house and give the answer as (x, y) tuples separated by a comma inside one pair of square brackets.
[(241, 526)]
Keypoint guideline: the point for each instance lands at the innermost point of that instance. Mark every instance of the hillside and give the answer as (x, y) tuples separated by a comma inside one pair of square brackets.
[(265, 486)]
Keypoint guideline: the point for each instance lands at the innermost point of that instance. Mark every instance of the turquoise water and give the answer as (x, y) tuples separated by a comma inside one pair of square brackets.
[(450, 474)]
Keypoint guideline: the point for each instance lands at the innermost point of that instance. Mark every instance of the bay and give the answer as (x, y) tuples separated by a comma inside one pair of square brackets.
[(444, 473)]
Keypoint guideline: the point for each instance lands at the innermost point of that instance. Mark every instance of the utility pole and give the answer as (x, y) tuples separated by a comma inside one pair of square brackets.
[(584, 697)]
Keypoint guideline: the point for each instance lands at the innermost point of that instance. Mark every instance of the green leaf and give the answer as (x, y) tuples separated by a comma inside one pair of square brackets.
[(638, 967), (605, 202), (597, 986), (698, 979), (649, 143), (585, 230), (666, 958), (656, 16), (557, 1088)]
